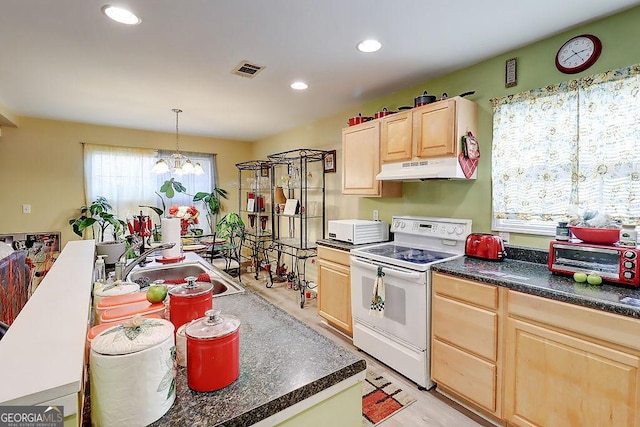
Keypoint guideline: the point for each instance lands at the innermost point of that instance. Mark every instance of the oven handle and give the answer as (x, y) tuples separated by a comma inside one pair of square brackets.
[(387, 270)]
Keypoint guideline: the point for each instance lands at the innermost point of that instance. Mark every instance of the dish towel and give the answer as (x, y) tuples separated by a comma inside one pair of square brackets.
[(202, 277), (377, 301)]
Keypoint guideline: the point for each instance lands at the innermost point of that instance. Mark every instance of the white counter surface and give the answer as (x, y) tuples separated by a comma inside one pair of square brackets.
[(42, 354)]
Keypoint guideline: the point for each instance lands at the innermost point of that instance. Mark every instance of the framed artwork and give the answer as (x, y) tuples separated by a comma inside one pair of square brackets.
[(330, 161), (511, 72), (264, 170)]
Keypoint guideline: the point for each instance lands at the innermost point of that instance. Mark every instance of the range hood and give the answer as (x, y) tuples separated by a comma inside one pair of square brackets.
[(421, 170)]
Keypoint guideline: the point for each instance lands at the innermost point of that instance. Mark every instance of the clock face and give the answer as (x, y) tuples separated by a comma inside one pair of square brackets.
[(578, 54)]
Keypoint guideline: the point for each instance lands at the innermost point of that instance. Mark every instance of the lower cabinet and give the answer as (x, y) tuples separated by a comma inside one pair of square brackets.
[(569, 365), (465, 360), (334, 288), (523, 360)]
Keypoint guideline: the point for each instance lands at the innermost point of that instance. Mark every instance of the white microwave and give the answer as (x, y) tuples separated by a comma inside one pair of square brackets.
[(358, 231)]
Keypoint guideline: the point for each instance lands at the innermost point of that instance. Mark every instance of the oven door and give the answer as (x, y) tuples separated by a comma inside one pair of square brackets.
[(406, 300)]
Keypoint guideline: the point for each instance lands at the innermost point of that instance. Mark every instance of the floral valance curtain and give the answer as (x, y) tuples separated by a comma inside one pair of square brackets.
[(569, 145)]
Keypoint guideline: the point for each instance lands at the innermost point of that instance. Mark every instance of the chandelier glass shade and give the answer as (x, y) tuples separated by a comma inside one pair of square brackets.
[(177, 163)]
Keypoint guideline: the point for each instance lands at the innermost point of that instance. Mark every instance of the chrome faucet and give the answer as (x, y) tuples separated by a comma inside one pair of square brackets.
[(140, 259)]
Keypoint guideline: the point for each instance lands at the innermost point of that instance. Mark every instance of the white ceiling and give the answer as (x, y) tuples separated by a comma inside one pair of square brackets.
[(63, 59)]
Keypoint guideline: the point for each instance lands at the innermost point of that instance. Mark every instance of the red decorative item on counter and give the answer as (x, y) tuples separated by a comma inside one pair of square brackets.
[(213, 351), (170, 260), (189, 301)]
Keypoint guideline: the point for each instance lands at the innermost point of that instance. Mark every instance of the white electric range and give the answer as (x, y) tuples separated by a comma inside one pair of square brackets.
[(400, 339)]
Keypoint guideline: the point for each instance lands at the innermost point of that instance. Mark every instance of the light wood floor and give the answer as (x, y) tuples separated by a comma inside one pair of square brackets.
[(430, 408)]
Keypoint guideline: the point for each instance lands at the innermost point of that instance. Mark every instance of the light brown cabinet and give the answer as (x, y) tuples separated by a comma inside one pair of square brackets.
[(334, 288), (432, 130), (466, 332), (568, 365), (361, 162), (396, 135), (523, 360)]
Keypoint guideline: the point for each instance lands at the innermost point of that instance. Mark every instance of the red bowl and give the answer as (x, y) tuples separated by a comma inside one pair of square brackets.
[(600, 236)]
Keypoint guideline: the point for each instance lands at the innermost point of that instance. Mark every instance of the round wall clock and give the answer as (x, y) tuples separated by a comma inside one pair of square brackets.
[(578, 53)]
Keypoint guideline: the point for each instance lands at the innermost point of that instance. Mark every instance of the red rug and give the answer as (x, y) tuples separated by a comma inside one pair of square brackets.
[(381, 399)]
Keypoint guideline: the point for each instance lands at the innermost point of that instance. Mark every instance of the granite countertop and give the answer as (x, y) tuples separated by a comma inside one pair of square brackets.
[(282, 362), (337, 244), (536, 279)]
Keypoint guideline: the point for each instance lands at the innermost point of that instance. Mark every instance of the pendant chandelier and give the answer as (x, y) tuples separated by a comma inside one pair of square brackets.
[(177, 163)]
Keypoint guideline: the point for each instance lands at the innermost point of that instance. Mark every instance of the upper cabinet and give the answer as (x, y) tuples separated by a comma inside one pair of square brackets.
[(396, 137), (433, 130), (361, 157)]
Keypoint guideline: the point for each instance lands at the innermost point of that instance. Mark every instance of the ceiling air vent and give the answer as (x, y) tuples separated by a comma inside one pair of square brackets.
[(247, 69)]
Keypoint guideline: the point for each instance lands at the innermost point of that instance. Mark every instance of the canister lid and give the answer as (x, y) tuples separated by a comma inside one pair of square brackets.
[(213, 325), (117, 288), (133, 336), (191, 288)]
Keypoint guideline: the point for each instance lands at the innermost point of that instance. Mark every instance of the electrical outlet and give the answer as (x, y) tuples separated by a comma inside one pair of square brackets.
[(26, 209), (504, 235), (375, 214)]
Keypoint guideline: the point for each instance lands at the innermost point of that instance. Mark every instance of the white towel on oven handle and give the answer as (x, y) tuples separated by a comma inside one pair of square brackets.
[(378, 298)]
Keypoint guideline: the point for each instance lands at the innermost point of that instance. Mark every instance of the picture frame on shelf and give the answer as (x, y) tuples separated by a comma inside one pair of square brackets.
[(330, 161), (264, 171)]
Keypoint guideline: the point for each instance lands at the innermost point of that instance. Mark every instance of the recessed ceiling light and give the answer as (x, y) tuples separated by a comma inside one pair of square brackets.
[(120, 15), (369, 46), (299, 85)]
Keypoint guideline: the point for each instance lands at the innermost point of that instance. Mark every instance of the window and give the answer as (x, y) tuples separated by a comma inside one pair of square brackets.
[(123, 175), (565, 148)]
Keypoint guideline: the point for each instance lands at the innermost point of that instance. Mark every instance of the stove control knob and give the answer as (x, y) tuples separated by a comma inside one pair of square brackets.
[(450, 230), (629, 254), (629, 275), (459, 230), (629, 264)]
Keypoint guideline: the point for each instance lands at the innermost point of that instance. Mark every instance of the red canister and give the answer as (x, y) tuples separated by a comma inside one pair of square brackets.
[(213, 351), (189, 301)]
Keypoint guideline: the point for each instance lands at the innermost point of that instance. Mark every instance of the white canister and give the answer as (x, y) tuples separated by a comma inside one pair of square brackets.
[(132, 368), (628, 235), (181, 346)]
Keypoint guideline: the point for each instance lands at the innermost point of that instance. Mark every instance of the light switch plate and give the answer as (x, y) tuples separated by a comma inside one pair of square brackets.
[(26, 209)]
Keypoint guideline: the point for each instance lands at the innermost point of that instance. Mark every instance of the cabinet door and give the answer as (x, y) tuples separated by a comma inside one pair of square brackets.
[(556, 379), (334, 295), (396, 137), (361, 162), (434, 129)]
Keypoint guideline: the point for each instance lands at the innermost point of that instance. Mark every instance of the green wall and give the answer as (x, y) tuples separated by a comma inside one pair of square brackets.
[(536, 68)]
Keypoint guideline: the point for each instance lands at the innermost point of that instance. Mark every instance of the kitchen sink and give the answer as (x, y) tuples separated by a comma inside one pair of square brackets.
[(144, 276)]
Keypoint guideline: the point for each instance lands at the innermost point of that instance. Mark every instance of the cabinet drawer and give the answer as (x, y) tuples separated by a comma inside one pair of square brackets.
[(596, 324), (334, 255), (465, 290), (472, 378), (470, 328)]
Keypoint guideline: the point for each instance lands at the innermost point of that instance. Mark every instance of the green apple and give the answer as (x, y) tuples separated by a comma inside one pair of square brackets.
[(580, 277), (594, 279), (156, 293)]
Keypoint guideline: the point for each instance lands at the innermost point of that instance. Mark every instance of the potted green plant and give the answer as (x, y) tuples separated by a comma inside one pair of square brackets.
[(98, 217), (230, 226), (213, 203)]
